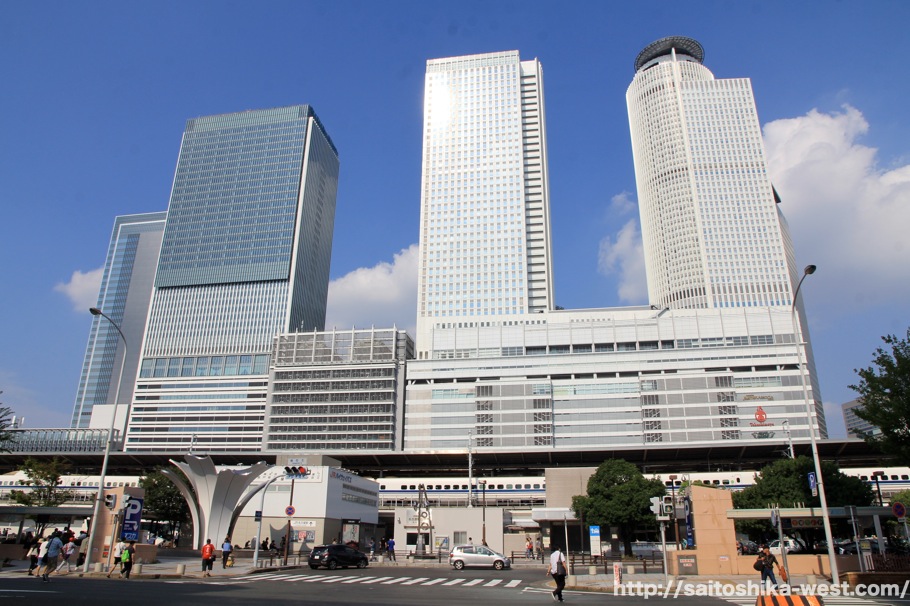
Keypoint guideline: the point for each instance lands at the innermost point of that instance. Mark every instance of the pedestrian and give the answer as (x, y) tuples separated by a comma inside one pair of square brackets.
[(117, 554), (391, 550), (226, 549), (69, 550), (529, 548), (557, 569), (265, 545), (539, 546), (208, 558), (126, 558), (83, 550), (32, 554), (470, 540), (765, 564), (54, 547), (372, 550)]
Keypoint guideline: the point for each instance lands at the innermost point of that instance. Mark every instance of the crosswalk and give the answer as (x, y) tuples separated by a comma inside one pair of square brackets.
[(839, 600), (278, 577)]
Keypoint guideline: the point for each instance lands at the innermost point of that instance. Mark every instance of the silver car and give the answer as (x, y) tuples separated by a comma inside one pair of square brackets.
[(477, 555)]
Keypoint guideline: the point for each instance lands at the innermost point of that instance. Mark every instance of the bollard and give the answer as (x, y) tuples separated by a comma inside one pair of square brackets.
[(181, 569), (811, 579), (630, 569), (592, 570), (99, 567), (137, 568)]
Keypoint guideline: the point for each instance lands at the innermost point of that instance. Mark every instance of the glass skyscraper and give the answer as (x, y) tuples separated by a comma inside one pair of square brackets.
[(485, 253), (713, 234), (126, 288), (245, 256)]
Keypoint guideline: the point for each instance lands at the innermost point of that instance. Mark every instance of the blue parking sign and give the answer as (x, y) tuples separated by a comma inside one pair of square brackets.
[(132, 519)]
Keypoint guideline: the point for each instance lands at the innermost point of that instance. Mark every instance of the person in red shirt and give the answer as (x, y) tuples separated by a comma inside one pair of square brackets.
[(208, 558)]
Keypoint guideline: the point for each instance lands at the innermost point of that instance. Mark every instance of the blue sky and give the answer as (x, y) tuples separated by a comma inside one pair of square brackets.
[(95, 96)]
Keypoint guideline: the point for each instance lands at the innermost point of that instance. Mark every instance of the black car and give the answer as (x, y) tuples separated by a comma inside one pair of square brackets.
[(333, 556)]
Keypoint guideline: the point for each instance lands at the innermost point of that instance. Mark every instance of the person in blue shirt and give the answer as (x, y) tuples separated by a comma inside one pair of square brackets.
[(54, 547), (391, 548)]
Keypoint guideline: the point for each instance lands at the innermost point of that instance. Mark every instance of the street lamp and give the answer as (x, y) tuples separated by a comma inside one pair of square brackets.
[(99, 496), (786, 426), (483, 536), (877, 475), (797, 335), (672, 479)]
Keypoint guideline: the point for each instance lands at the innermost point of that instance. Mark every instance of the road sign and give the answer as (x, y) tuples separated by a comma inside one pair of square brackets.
[(132, 517), (595, 539), (289, 510), (898, 509)]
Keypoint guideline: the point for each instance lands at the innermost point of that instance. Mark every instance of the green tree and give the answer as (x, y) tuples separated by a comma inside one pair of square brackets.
[(45, 478), (785, 483), (6, 436), (163, 501), (619, 495), (884, 391)]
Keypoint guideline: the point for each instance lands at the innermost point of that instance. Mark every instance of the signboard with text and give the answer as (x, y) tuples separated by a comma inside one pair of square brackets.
[(132, 518)]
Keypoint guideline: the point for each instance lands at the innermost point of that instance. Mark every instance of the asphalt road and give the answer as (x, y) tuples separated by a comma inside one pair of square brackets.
[(377, 587)]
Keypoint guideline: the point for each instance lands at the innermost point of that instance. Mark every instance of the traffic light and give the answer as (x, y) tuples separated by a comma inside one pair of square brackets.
[(110, 501), (295, 471), (668, 505), (656, 505)]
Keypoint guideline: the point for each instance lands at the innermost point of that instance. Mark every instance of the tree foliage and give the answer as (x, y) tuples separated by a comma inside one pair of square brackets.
[(785, 483), (884, 392), (45, 478), (163, 501), (6, 420), (618, 495)]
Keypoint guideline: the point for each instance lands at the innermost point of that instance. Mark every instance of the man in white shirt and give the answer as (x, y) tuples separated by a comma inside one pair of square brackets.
[(557, 569)]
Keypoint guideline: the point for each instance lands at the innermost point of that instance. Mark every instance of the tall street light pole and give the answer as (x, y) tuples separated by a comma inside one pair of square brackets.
[(810, 418), (99, 496), (483, 536), (672, 479)]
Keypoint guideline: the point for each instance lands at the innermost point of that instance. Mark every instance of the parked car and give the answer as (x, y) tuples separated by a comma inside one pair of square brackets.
[(792, 545), (477, 555), (333, 556)]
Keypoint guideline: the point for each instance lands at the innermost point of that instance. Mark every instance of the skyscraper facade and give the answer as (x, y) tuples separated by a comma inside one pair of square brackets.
[(712, 232), (484, 217), (712, 229), (245, 256), (126, 289)]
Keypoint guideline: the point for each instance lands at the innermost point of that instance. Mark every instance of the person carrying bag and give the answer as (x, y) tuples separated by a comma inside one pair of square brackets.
[(557, 569)]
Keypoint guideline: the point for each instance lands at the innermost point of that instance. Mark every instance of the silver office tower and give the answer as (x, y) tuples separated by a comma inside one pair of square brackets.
[(712, 229), (245, 256), (713, 235), (126, 289), (485, 254)]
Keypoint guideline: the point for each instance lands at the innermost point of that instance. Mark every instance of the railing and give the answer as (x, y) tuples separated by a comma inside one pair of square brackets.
[(890, 563), (60, 440)]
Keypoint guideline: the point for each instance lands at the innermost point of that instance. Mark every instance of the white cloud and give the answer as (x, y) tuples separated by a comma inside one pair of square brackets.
[(382, 296), (82, 289), (623, 255), (846, 215), (623, 203)]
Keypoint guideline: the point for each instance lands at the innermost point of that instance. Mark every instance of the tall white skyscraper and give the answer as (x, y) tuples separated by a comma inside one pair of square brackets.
[(713, 235), (485, 252)]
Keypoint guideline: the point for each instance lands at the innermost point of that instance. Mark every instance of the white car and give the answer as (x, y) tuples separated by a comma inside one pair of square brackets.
[(792, 546)]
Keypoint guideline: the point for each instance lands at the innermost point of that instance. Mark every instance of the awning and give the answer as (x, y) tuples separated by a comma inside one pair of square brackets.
[(552, 514), (523, 523)]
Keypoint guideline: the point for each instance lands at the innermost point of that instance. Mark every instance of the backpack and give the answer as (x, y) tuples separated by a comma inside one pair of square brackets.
[(759, 565), (125, 556)]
